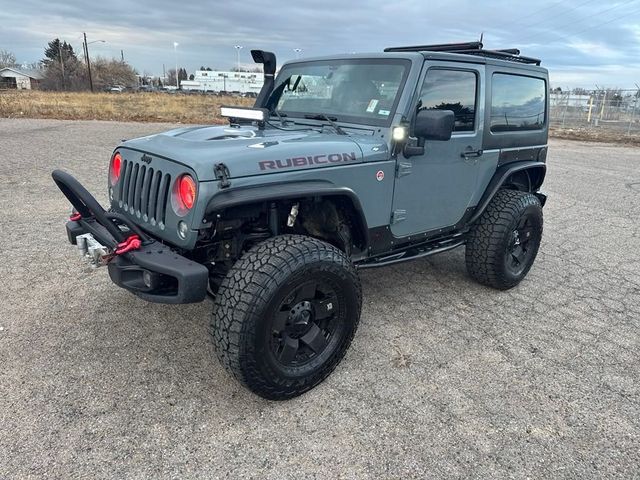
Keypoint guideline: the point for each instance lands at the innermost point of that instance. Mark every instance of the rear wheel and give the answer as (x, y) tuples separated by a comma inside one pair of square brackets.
[(285, 315), (504, 242)]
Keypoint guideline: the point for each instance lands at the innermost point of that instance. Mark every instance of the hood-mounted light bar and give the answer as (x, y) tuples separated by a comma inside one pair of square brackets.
[(238, 115)]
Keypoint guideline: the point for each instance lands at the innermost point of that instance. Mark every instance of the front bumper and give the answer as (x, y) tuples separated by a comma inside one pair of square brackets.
[(154, 272)]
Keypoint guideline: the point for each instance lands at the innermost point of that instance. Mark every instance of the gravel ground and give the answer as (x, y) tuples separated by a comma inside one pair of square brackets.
[(445, 378)]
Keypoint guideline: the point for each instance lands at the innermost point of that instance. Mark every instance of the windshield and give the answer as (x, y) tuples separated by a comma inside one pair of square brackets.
[(353, 90)]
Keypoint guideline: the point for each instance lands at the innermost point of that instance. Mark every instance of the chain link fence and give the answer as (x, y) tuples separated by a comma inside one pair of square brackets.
[(598, 111)]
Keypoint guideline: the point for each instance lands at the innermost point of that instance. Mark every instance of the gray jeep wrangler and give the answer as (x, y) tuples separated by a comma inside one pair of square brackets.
[(344, 163)]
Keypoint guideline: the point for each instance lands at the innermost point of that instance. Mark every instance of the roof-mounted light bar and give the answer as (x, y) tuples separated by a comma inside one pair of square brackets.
[(245, 113)]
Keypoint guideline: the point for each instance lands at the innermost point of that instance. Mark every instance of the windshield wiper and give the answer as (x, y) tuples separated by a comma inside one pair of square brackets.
[(280, 116), (331, 120), (284, 122)]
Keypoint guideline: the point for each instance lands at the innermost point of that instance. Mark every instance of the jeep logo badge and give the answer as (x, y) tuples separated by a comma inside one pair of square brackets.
[(146, 158)]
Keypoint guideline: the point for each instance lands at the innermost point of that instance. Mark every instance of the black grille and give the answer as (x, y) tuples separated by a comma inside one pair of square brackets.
[(144, 192)]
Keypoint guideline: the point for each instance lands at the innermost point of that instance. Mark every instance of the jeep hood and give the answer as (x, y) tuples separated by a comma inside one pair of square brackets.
[(248, 151)]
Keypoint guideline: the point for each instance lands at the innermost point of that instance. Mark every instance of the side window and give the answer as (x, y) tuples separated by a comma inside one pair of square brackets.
[(451, 90), (517, 103)]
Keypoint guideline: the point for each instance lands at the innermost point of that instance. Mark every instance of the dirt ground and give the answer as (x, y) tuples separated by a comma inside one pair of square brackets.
[(600, 135), (445, 378)]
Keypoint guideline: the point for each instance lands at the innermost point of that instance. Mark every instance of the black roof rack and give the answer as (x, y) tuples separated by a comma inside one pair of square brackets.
[(470, 48)]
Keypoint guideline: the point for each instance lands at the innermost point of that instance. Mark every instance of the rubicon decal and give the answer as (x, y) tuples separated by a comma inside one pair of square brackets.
[(295, 162)]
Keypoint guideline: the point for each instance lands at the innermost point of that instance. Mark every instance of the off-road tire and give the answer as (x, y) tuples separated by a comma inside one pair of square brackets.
[(249, 297), (492, 235)]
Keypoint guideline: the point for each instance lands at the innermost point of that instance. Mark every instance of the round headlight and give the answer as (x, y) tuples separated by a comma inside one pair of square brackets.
[(115, 167), (187, 191)]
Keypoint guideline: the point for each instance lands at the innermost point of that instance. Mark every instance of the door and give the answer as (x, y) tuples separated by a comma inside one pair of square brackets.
[(433, 190)]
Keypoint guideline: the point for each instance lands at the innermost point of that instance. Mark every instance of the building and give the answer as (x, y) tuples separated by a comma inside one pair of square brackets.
[(19, 78), (218, 81), (570, 99)]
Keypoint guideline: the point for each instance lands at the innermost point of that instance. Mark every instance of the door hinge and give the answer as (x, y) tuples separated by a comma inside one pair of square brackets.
[(402, 169), (470, 155), (398, 216), (221, 172)]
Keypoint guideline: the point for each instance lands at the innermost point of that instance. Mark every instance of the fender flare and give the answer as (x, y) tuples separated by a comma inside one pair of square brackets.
[(285, 190), (501, 175)]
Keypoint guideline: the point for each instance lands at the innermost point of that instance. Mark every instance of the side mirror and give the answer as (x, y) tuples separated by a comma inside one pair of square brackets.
[(434, 124)]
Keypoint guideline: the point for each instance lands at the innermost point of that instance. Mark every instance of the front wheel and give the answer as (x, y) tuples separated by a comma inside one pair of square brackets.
[(504, 242), (285, 315)]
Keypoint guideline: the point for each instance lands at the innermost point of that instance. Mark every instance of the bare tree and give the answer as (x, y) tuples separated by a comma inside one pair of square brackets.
[(7, 59), (247, 69), (171, 77), (110, 72)]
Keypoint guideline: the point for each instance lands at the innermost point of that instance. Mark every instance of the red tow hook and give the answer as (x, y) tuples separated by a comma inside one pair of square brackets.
[(75, 217), (132, 242)]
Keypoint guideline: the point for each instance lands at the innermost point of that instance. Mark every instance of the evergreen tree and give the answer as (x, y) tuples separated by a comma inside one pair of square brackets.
[(63, 69), (55, 49)]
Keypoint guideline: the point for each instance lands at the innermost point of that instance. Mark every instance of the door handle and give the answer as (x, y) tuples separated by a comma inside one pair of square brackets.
[(471, 154)]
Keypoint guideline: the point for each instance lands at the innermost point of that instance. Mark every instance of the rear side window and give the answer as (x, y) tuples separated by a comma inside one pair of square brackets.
[(517, 103), (451, 90)]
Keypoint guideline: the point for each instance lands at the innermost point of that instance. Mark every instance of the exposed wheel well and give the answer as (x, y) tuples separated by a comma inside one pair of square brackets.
[(528, 180), (335, 219)]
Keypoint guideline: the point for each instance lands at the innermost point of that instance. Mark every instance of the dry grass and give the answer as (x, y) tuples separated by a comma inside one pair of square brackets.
[(178, 108), (139, 107)]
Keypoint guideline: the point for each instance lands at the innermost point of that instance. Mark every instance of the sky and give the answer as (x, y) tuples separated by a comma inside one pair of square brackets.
[(584, 43)]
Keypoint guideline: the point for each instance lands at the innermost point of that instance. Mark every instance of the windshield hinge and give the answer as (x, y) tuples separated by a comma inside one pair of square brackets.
[(222, 173)]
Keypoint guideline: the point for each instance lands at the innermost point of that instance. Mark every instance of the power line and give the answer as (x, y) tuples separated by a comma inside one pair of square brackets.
[(561, 13), (533, 14), (554, 29), (605, 23)]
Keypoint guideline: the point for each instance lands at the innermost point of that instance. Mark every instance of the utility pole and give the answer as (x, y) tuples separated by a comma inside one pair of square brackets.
[(122, 56), (61, 63), (86, 56)]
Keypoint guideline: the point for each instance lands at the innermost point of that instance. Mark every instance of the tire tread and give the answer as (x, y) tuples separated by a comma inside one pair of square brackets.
[(245, 292), (485, 245)]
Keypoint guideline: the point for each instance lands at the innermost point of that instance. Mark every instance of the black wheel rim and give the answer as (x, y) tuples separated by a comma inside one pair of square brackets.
[(521, 247), (306, 323)]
